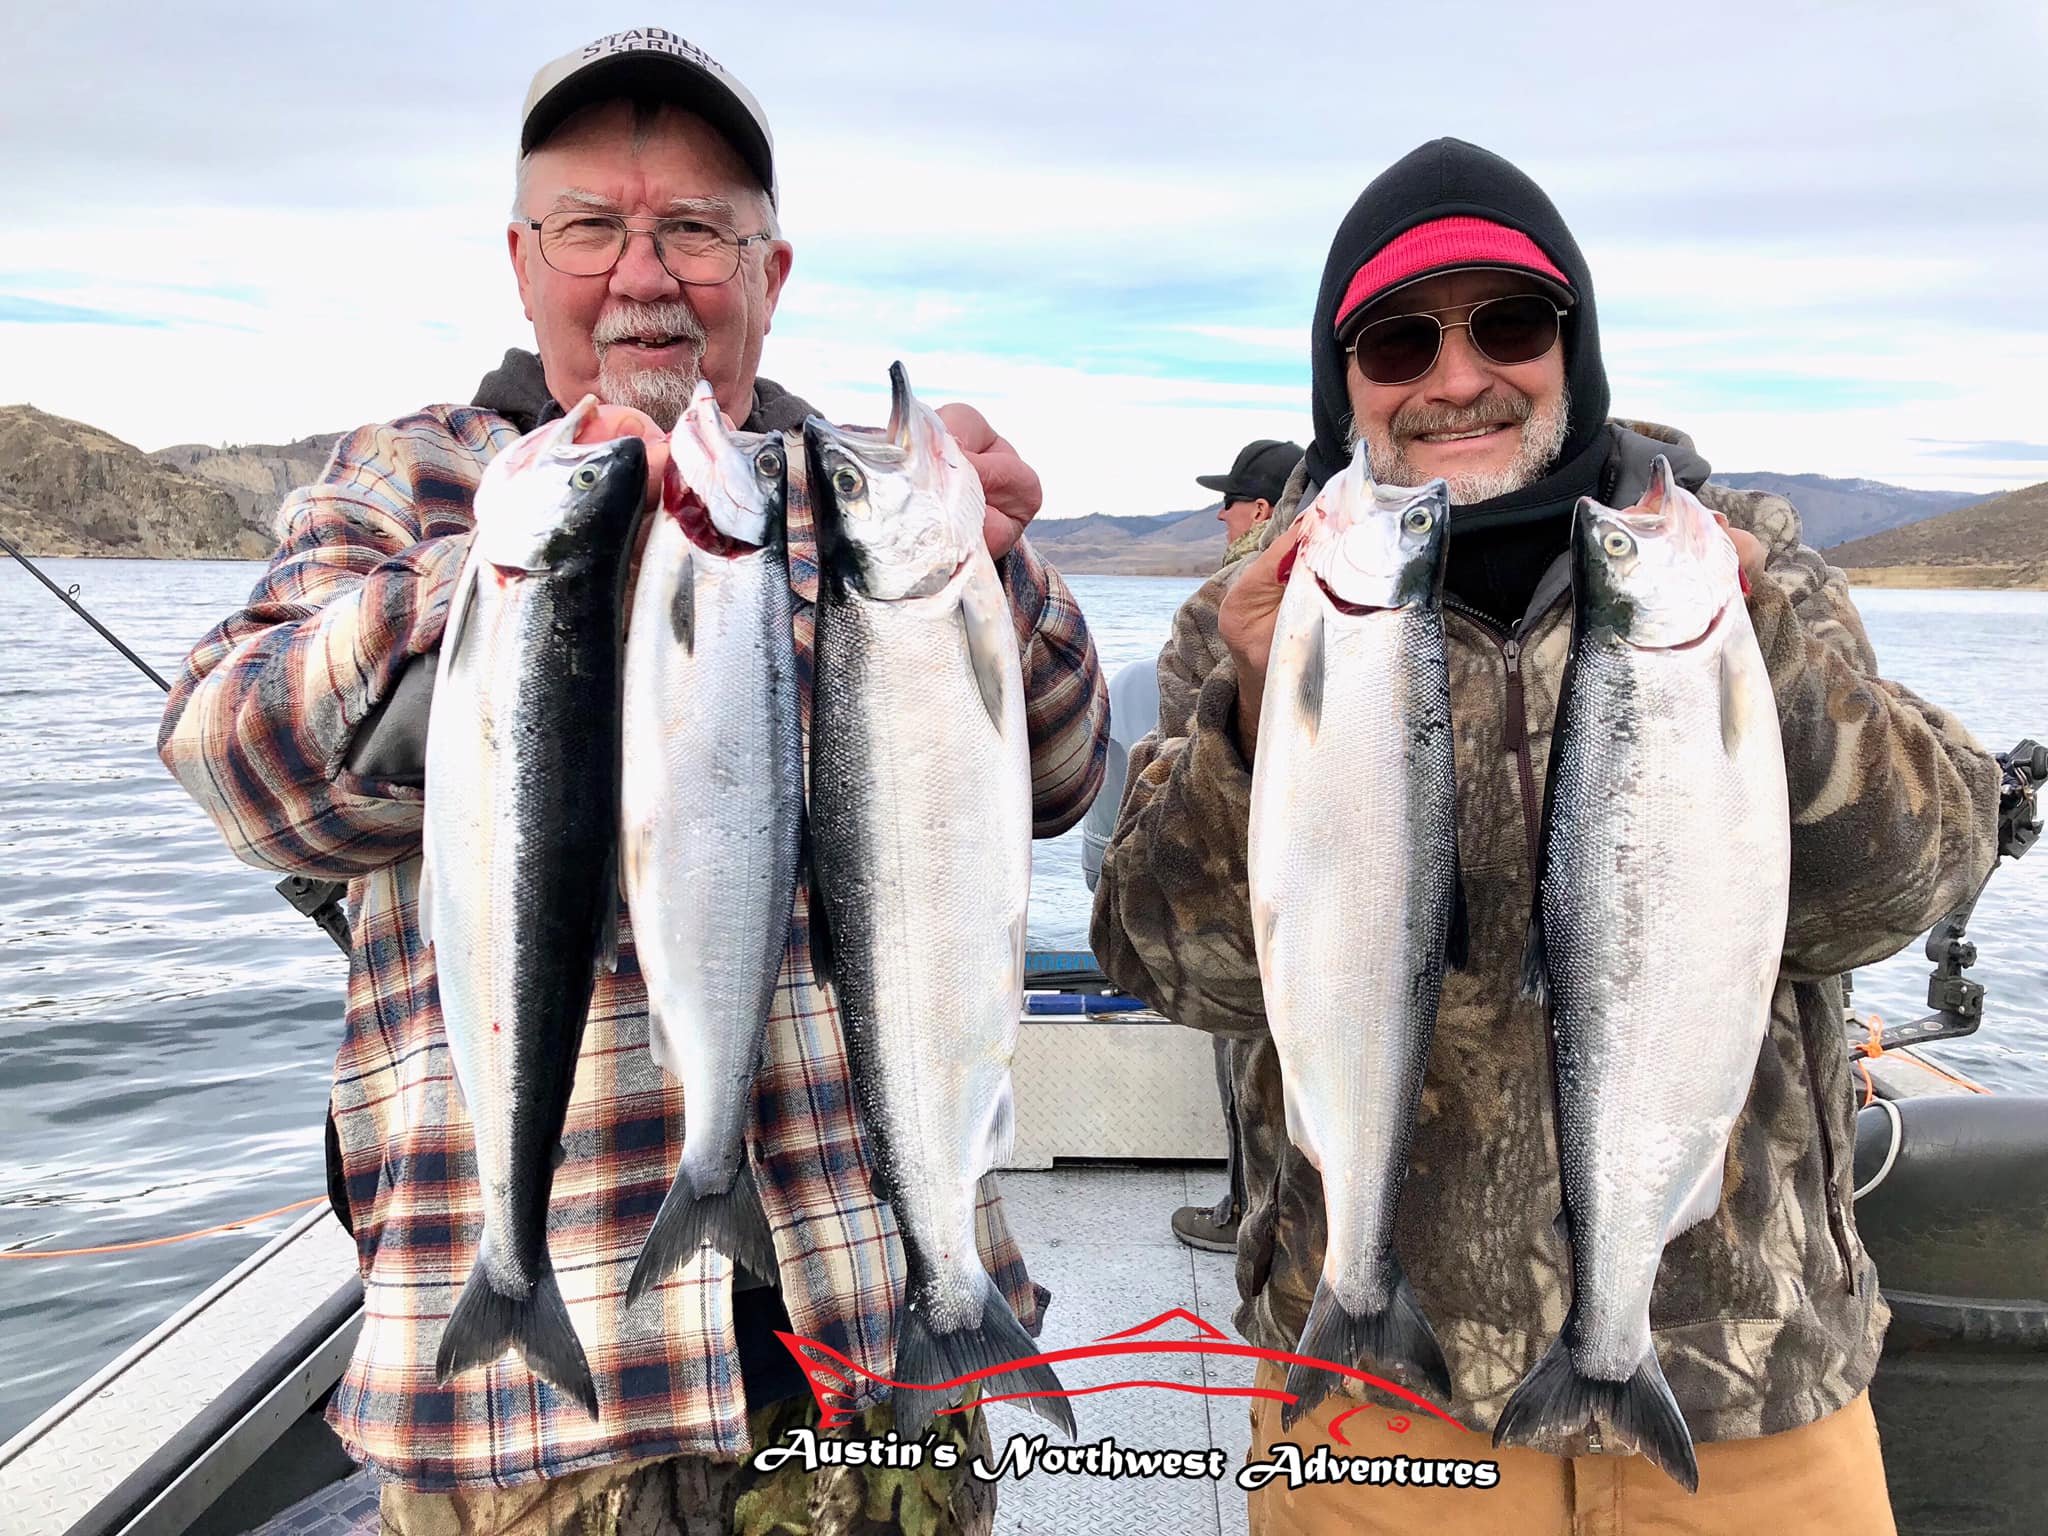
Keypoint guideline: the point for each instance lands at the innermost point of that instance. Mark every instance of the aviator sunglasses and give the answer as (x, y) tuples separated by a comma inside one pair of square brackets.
[(1517, 328)]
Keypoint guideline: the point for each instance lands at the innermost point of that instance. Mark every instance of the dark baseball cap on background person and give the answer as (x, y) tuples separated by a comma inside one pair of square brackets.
[(651, 61), (1260, 473)]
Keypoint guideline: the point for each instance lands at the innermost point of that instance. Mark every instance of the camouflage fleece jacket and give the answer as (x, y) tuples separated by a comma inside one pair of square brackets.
[(1767, 1315)]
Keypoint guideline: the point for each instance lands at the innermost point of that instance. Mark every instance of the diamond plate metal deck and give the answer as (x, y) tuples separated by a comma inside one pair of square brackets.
[(1138, 1087), (78, 1452)]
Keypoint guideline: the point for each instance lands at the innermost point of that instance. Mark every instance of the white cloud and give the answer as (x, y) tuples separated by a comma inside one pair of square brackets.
[(1803, 254)]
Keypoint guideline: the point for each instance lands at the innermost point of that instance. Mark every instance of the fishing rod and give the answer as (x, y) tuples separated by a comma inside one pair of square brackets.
[(318, 899)]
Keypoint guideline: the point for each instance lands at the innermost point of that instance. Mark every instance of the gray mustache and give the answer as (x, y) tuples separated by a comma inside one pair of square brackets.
[(1492, 406), (647, 320)]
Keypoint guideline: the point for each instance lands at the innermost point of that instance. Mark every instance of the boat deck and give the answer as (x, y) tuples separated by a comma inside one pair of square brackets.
[(1096, 1236)]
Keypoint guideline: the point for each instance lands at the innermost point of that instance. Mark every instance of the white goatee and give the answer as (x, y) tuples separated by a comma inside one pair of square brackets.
[(660, 392)]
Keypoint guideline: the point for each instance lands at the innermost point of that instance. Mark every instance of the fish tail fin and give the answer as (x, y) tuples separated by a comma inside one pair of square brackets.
[(1642, 1414), (731, 1218), (923, 1355), (486, 1322), (1397, 1338)]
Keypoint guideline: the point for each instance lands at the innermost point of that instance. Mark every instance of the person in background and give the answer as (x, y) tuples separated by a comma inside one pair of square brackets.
[(1250, 489)]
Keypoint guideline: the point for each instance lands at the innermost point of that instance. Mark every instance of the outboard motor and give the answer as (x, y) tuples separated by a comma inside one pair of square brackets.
[(1952, 1203)]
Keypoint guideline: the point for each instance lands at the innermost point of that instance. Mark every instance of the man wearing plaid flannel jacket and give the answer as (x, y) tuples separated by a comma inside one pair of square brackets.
[(298, 724)]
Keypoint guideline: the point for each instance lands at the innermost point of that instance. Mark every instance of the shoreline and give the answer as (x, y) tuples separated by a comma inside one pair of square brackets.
[(1951, 578), (2031, 577)]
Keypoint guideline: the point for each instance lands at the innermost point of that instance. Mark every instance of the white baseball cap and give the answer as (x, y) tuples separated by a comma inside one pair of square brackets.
[(656, 61)]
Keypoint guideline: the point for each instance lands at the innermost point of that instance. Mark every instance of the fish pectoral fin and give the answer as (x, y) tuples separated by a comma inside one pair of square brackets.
[(1536, 963), (1308, 692), (608, 951), (991, 646), (1000, 1140), (682, 604), (460, 602), (1701, 1201), (1297, 1123), (1744, 686), (633, 861), (1458, 935), (820, 929), (424, 902)]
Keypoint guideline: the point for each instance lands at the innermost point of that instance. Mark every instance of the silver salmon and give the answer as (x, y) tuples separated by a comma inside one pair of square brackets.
[(1356, 900), (517, 885), (921, 847), (712, 808), (1666, 863)]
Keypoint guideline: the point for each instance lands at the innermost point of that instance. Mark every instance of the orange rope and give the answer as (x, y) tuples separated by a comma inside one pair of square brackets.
[(1873, 1045), (1960, 1082), (158, 1242)]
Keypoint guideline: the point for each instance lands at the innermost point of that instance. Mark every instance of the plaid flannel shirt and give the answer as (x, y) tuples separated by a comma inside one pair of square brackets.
[(258, 729)]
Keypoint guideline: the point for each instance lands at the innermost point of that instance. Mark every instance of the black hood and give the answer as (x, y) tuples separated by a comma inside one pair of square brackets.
[(1448, 178)]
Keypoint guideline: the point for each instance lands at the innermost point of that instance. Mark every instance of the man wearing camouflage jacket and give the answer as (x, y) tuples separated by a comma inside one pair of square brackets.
[(1767, 1316)]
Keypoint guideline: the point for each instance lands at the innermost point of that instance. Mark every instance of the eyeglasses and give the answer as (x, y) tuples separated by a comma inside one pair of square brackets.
[(1516, 328), (577, 243)]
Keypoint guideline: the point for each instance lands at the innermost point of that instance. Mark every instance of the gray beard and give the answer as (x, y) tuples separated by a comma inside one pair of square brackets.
[(1542, 438), (661, 392)]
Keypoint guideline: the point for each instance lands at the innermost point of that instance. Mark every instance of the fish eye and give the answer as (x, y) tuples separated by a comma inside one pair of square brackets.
[(584, 478), (768, 463), (848, 482), (1619, 546), (1418, 520)]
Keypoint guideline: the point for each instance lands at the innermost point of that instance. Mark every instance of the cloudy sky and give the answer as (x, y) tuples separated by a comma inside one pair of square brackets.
[(1816, 230)]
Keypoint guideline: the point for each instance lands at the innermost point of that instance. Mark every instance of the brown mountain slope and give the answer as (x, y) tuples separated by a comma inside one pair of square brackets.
[(70, 489), (257, 475), (2002, 542), (1168, 544)]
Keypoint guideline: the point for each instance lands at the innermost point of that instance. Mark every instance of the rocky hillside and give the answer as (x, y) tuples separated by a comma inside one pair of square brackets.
[(70, 489), (1998, 543), (1833, 511), (257, 475), (1168, 544), (1191, 543)]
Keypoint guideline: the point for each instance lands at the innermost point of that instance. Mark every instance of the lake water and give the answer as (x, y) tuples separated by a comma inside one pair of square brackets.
[(167, 1025)]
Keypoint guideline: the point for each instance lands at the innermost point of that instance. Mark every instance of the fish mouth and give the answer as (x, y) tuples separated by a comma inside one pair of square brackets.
[(1345, 605), (1713, 627), (694, 518)]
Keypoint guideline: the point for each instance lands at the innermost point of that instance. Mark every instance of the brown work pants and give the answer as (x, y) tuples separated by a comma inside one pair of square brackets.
[(1825, 1477)]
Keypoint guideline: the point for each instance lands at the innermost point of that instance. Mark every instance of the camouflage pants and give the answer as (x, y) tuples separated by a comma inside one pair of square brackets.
[(693, 1496)]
